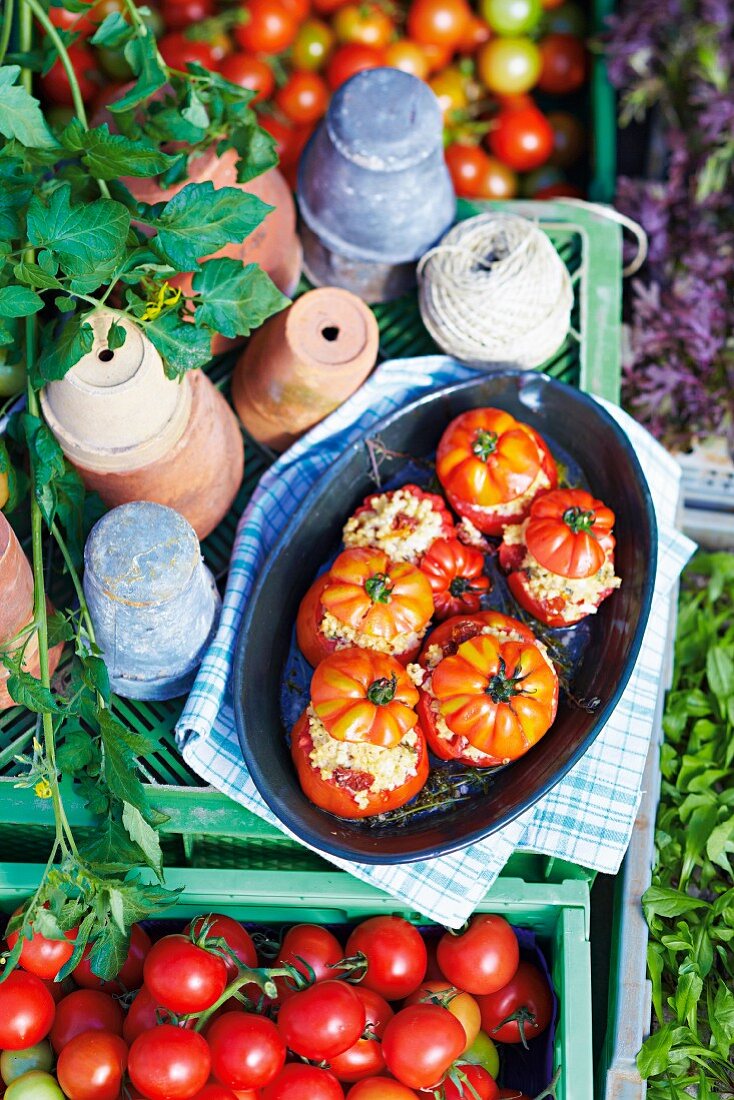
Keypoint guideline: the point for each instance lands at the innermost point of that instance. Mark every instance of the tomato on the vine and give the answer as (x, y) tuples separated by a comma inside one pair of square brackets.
[(247, 1051), (179, 14), (41, 956), (420, 1043), (182, 977), (347, 61), (563, 59), (130, 975), (297, 1081), (311, 950), (236, 938), (472, 1083), (270, 27), (77, 22), (303, 98), (449, 88), (483, 958), (522, 138), (521, 1009), (366, 24), (91, 1065), (85, 1010), (27, 1011), (439, 22), (364, 1058), (322, 1021), (141, 1016), (395, 952), (407, 56), (313, 45), (55, 85), (178, 51), (169, 1063)]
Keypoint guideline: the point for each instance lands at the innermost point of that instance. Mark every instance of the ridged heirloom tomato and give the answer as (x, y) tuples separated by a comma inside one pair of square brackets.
[(456, 575), (362, 696)]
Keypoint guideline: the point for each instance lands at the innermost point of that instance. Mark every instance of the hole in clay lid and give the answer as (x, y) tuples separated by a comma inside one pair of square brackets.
[(330, 333), (106, 355)]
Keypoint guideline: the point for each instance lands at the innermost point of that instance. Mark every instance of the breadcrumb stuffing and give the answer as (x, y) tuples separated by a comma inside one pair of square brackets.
[(399, 523)]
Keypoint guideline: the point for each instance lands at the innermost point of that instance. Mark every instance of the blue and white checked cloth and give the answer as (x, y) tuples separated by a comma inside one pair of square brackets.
[(588, 817)]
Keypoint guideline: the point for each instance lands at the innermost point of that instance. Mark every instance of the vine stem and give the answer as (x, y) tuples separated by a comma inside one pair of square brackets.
[(7, 27)]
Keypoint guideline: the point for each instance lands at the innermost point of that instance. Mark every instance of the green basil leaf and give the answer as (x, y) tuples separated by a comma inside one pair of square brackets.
[(235, 299), (21, 117), (201, 219)]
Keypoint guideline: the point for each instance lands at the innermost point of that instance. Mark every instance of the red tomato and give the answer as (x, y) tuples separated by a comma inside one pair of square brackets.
[(270, 28), (179, 14), (521, 1009), (366, 24), (182, 977), (298, 1082), (85, 1010), (303, 98), (461, 1005), (563, 64), (569, 138), (298, 9), (131, 972), (59, 990), (456, 575), (407, 56), (90, 1067), (55, 87), (560, 190), (322, 1021), (178, 51), (312, 950), (328, 7), (74, 21), (236, 938), (420, 1043), (522, 138), (27, 1011), (247, 1050), (169, 1063), (347, 61), (142, 1015), (364, 1057), (498, 181), (439, 22), (213, 1091), (381, 1088), (476, 34), (396, 955), (437, 56), (40, 956), (474, 1083), (483, 958), (314, 42)]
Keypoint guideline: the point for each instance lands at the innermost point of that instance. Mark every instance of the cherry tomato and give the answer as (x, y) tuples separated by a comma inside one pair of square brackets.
[(437, 56), (322, 1021), (311, 950), (298, 9), (474, 1082), (179, 14), (12, 375), (296, 1082), (141, 1016), (498, 181), (74, 21), (449, 87), (364, 1057), (521, 1009), (483, 958), (85, 1010), (131, 972), (313, 45), (303, 98), (483, 1052), (182, 977), (381, 1088), (178, 51), (169, 1063), (237, 938), (213, 1091), (461, 1005), (467, 165), (366, 24), (511, 16), (41, 956), (347, 61), (420, 1043), (91, 1065), (270, 28), (476, 34), (522, 138), (27, 1011), (328, 7), (509, 66), (14, 1063), (407, 56), (59, 990), (439, 22), (569, 138), (396, 955), (34, 1085), (563, 64), (566, 18), (247, 1050)]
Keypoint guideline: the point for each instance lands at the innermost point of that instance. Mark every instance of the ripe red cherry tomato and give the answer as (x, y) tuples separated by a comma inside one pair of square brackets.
[(367, 24), (270, 28), (309, 948), (213, 1091), (237, 938), (178, 51), (563, 64), (364, 1057), (476, 34), (522, 1009), (182, 977), (27, 1011), (347, 61), (85, 1010), (296, 1082), (381, 1088), (483, 958), (467, 165), (55, 87), (439, 22), (314, 42), (475, 1083), (131, 973), (420, 1043), (247, 1050), (179, 14), (169, 1063), (322, 1021), (90, 1067), (522, 138), (303, 98), (43, 957), (396, 956)]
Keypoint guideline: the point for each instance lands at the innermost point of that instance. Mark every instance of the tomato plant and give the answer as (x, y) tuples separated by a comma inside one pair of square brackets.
[(297, 1081), (563, 59), (303, 98), (130, 975), (521, 1009), (27, 1011), (183, 977), (91, 1065), (347, 61), (322, 1021), (481, 959), (420, 1043), (169, 1063), (395, 953), (247, 1051), (85, 1010)]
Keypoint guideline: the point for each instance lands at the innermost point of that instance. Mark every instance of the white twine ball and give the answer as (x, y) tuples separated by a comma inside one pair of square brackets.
[(494, 293)]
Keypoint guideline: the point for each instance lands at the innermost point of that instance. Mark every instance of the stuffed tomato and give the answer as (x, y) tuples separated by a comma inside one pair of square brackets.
[(489, 691), (358, 748), (560, 560), (456, 575), (403, 523), (492, 467), (365, 600)]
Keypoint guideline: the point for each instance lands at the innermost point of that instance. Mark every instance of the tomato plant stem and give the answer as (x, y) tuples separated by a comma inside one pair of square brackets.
[(7, 26)]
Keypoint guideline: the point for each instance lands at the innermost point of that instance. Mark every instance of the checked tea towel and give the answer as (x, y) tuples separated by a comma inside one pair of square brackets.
[(588, 817)]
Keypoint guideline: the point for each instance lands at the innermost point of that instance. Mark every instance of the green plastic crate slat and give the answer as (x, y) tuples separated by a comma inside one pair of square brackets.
[(558, 914), (591, 247)]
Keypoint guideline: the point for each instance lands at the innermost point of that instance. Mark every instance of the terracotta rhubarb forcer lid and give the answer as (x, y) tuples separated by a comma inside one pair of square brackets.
[(16, 584), (116, 409)]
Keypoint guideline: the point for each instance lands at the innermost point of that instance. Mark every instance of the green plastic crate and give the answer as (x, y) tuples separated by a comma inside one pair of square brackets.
[(602, 186), (558, 914), (204, 824)]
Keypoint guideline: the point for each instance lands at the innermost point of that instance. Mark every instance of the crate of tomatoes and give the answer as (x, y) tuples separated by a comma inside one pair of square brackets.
[(527, 110), (303, 986)]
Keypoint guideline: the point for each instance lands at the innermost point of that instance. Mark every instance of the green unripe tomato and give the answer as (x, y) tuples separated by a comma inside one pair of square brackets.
[(113, 64), (12, 375), (509, 66), (483, 1052), (313, 45), (34, 1086), (14, 1063), (511, 16)]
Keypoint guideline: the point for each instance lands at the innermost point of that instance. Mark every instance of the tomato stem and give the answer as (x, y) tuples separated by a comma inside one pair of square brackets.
[(577, 520), (521, 1016), (262, 978), (378, 588), (501, 687), (382, 691), (459, 586), (485, 444)]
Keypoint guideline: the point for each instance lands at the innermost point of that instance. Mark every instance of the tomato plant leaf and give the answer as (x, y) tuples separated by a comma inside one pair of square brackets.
[(19, 301), (116, 335), (201, 219), (114, 31), (83, 237), (257, 151), (181, 345), (71, 340), (141, 55), (20, 114), (144, 836), (30, 693), (235, 299), (109, 155)]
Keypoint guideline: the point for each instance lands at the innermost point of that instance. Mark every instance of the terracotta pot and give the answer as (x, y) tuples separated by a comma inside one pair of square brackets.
[(303, 363), (16, 608)]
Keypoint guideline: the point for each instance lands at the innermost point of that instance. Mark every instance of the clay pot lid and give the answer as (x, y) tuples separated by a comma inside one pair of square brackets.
[(141, 554), (104, 369), (385, 120), (6, 535), (329, 327)]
